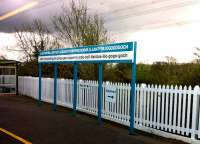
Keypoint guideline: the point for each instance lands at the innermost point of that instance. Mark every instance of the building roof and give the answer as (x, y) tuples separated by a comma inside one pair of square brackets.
[(8, 62)]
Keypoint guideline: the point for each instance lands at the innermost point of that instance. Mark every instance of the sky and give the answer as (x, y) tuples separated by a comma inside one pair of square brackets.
[(161, 27)]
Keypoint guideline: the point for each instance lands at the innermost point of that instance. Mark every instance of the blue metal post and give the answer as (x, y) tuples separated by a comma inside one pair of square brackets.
[(55, 86), (75, 75), (40, 83), (132, 96), (100, 80)]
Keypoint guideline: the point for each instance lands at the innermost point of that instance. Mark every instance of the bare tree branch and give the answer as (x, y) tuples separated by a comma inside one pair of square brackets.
[(33, 38), (77, 26)]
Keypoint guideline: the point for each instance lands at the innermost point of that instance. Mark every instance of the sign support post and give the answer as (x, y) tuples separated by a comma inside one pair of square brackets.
[(100, 80), (55, 85), (40, 83), (75, 87), (132, 96)]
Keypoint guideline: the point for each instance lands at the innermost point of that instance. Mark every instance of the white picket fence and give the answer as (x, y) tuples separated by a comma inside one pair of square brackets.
[(168, 111)]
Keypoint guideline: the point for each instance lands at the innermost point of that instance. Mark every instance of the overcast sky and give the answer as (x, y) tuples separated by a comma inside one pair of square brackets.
[(161, 27)]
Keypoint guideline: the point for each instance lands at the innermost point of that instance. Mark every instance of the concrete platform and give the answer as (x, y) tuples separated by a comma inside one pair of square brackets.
[(40, 125)]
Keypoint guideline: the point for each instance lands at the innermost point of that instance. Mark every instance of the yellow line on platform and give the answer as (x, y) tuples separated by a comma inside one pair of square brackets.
[(15, 136)]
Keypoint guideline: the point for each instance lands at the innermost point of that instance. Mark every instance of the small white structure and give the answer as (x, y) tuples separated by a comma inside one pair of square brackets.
[(8, 76)]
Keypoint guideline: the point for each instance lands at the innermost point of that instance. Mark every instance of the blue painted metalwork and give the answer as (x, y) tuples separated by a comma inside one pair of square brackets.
[(55, 86), (40, 83), (100, 81), (132, 96), (116, 47), (75, 75), (90, 54), (105, 61)]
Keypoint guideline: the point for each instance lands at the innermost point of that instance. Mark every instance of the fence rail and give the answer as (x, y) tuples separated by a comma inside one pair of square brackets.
[(168, 111)]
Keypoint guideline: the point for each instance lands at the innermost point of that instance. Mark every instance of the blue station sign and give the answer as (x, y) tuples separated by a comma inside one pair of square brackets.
[(118, 52)]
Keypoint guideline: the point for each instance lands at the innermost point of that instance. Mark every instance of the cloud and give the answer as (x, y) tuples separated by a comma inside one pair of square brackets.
[(25, 13), (18, 10), (162, 28), (120, 16)]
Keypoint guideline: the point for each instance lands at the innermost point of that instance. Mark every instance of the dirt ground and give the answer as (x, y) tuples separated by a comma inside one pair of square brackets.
[(40, 125)]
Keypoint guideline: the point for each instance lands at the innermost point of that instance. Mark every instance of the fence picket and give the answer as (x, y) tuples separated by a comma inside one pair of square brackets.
[(155, 105), (184, 110), (137, 105), (158, 108), (144, 105), (93, 98), (128, 103), (167, 107), (188, 109), (120, 101), (123, 96), (152, 99), (179, 109), (195, 111), (175, 110), (141, 107), (148, 104), (199, 124)]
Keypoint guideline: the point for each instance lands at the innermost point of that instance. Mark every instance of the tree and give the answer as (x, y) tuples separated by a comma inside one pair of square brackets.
[(34, 37), (171, 59), (197, 54), (77, 27), (2, 57)]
